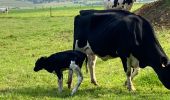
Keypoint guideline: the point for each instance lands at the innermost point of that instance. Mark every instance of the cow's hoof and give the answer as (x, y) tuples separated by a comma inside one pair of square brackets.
[(94, 82), (132, 88)]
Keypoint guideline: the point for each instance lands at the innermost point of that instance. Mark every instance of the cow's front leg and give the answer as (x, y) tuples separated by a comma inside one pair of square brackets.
[(91, 63), (135, 65), (76, 69), (135, 72), (60, 81), (128, 74), (132, 67), (70, 78)]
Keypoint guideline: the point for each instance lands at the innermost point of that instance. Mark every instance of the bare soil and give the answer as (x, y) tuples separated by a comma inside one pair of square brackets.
[(158, 13)]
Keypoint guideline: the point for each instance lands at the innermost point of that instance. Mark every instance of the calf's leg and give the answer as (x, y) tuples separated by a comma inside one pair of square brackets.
[(60, 81), (76, 69), (70, 78)]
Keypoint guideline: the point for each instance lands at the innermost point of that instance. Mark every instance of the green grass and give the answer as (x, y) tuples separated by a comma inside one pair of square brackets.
[(26, 35)]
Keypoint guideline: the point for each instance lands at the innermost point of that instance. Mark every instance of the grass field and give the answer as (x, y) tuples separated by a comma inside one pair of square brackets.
[(26, 35)]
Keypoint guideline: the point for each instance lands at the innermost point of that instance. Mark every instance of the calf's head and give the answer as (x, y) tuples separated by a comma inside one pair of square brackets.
[(40, 64)]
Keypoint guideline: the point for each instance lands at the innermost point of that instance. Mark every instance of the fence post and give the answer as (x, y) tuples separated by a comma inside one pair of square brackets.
[(51, 12)]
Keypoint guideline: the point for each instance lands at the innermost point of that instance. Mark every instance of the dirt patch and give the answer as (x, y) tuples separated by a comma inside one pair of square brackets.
[(158, 13)]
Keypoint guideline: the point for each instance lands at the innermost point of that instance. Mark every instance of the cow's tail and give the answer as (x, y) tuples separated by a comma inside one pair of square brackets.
[(75, 34), (74, 43)]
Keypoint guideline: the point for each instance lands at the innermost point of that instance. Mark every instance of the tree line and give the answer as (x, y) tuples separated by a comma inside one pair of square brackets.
[(48, 1)]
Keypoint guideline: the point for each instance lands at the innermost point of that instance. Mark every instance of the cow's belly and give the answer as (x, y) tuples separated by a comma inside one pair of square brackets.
[(102, 53), (107, 57)]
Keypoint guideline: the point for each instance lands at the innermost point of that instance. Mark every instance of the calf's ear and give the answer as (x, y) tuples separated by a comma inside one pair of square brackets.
[(164, 61), (40, 63), (43, 59)]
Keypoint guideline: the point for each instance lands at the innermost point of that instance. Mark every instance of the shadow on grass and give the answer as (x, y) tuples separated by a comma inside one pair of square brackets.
[(40, 91), (93, 92), (98, 92)]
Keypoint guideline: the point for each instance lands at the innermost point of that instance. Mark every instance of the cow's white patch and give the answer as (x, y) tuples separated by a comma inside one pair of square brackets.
[(109, 4), (73, 65), (163, 65), (135, 72), (86, 49), (135, 66), (54, 72), (134, 61)]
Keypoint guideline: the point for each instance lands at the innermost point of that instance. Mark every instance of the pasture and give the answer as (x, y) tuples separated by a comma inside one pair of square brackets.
[(26, 35)]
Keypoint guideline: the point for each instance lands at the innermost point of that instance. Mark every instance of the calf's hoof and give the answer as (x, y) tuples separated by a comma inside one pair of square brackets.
[(69, 85), (73, 91)]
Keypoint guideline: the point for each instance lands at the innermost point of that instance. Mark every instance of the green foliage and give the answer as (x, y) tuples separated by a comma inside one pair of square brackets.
[(26, 35)]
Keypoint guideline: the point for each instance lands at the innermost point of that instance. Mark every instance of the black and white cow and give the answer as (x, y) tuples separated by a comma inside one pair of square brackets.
[(119, 4), (58, 62), (93, 58), (4, 10), (120, 34)]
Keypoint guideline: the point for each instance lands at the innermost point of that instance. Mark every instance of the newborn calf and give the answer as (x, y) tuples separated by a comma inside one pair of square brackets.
[(58, 62)]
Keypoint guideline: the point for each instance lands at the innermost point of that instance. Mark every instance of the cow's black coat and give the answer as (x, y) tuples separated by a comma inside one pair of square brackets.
[(119, 34)]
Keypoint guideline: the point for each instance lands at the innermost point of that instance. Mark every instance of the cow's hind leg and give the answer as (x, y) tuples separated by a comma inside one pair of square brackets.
[(91, 63), (135, 66), (129, 77)]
